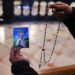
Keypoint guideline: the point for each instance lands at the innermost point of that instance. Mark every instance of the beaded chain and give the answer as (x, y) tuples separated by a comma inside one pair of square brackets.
[(44, 41)]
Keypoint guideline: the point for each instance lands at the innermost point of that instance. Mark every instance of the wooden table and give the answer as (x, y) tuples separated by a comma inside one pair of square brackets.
[(67, 70)]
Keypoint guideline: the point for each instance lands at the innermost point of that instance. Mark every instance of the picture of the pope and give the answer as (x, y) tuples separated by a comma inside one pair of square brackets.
[(21, 42)]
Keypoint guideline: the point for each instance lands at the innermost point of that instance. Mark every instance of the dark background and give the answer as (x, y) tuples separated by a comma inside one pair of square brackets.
[(8, 11)]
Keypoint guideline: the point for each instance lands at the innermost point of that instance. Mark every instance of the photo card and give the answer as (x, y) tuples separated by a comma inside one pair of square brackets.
[(21, 37)]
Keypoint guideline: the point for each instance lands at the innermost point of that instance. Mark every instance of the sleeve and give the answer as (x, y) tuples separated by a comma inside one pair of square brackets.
[(22, 68), (70, 22)]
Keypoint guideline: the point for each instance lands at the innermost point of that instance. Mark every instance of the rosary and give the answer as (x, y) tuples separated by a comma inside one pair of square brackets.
[(44, 42), (43, 52)]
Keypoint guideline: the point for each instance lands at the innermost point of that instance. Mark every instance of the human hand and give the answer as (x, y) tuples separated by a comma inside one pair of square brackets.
[(61, 10), (15, 55)]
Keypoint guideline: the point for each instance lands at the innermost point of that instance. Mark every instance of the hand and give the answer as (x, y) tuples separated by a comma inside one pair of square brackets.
[(61, 10), (15, 55)]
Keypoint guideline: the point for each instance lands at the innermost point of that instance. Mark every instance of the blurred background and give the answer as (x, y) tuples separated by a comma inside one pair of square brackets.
[(32, 14), (27, 10)]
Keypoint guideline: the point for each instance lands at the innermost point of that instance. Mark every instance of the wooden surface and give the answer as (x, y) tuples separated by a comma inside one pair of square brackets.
[(67, 70)]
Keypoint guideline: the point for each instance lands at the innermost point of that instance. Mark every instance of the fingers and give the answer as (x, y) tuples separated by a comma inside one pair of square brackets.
[(59, 9), (15, 55), (61, 13), (17, 51), (58, 6), (14, 52), (59, 3)]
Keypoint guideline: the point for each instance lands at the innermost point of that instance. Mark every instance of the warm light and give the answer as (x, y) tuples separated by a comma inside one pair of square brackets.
[(17, 9), (2, 35), (50, 10), (35, 8), (72, 4), (43, 8), (26, 11)]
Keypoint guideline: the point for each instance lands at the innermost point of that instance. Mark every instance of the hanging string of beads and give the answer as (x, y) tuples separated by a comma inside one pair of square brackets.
[(43, 54)]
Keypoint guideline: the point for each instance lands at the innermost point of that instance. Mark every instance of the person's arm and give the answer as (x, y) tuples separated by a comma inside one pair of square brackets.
[(65, 13), (70, 22), (20, 66)]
